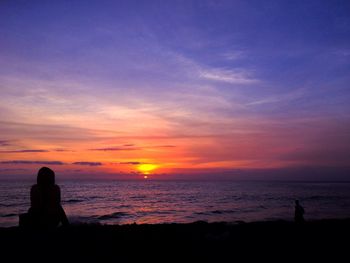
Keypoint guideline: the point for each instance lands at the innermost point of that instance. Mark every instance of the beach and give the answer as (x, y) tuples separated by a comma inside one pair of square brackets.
[(174, 131), (199, 241)]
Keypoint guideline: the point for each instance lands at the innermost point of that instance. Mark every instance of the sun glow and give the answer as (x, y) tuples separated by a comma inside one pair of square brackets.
[(146, 168)]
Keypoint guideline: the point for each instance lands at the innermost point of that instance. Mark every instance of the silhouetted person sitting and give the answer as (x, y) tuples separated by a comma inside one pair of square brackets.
[(45, 199), (299, 213)]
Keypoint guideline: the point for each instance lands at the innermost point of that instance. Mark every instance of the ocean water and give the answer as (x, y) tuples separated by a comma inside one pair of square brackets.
[(125, 202)]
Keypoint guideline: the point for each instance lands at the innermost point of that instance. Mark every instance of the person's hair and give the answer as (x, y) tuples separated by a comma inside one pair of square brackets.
[(45, 177)]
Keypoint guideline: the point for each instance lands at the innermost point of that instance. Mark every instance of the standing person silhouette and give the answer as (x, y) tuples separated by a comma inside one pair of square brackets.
[(45, 199), (299, 213)]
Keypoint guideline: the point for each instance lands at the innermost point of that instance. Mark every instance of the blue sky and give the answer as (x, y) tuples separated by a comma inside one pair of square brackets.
[(268, 78)]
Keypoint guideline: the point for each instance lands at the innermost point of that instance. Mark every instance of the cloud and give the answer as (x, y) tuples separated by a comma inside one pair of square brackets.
[(63, 150), (53, 133), (161, 146), (233, 55), (227, 75), (25, 151), (5, 142), (296, 94), (132, 163), (36, 151), (33, 162), (114, 149), (130, 147), (88, 163), (219, 74)]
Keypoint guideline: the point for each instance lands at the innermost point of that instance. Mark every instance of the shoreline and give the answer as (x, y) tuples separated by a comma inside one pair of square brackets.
[(78, 224)]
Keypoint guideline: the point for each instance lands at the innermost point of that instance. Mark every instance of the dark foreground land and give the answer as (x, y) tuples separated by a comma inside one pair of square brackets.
[(279, 241)]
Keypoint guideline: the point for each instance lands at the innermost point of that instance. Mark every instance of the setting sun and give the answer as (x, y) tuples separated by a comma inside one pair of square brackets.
[(146, 168)]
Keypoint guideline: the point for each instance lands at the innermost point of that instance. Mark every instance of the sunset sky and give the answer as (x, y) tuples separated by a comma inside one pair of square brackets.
[(175, 89)]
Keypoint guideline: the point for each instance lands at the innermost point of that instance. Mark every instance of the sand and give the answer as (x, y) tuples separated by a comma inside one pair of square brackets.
[(279, 241)]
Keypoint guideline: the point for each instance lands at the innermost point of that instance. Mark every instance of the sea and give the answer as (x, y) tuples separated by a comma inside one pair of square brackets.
[(152, 202)]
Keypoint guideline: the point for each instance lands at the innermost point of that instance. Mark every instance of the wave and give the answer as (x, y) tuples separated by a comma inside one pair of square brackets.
[(138, 197), (5, 205), (113, 215), (155, 212), (216, 212), (74, 201), (320, 197), (124, 206), (15, 204), (9, 215)]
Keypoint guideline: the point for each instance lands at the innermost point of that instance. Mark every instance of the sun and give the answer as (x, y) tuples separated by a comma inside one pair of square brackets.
[(146, 168)]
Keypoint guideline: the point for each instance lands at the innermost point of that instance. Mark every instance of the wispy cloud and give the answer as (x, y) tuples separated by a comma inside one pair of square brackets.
[(131, 147), (131, 163), (63, 150), (88, 163), (342, 52), (33, 162), (55, 134), (35, 151), (115, 149), (228, 75), (233, 55), (5, 143), (278, 98), (162, 146), (25, 151), (196, 70)]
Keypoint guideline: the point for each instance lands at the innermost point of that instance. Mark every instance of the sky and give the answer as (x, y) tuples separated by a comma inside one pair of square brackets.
[(175, 89)]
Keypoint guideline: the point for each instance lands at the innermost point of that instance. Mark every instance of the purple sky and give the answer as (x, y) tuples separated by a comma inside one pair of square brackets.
[(220, 89)]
